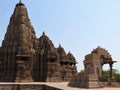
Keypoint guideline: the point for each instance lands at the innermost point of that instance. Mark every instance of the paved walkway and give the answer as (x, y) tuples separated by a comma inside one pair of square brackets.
[(62, 85)]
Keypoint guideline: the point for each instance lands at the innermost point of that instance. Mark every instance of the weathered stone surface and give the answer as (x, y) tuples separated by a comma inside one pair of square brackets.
[(25, 58), (85, 81), (67, 64), (46, 66)]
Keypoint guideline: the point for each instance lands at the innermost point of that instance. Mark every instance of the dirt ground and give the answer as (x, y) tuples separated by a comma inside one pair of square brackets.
[(62, 85)]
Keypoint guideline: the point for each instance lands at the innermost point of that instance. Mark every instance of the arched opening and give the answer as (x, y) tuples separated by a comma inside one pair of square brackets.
[(105, 72), (105, 67)]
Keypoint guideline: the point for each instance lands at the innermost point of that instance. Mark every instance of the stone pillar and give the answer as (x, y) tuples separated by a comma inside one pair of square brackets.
[(110, 70)]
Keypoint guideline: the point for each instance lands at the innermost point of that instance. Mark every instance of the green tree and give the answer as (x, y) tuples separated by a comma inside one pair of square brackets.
[(82, 72), (106, 74), (116, 74)]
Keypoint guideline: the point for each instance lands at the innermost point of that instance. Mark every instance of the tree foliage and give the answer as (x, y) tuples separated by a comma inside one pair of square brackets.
[(82, 72), (116, 74), (117, 77)]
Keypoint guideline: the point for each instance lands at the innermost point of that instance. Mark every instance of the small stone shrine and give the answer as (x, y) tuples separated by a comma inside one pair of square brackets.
[(25, 58), (93, 77)]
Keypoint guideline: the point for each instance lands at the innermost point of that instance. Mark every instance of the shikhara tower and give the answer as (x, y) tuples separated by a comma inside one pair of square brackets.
[(23, 57)]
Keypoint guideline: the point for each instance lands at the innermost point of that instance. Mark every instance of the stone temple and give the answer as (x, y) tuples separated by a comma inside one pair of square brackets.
[(93, 76), (26, 58)]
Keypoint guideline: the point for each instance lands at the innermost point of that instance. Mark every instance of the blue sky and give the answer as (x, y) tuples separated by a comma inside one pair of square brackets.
[(79, 25)]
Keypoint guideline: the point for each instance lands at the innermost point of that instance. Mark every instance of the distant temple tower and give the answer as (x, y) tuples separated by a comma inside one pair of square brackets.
[(25, 58)]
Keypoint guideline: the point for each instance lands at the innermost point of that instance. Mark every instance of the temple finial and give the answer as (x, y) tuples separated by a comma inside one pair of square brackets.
[(69, 52), (43, 33), (59, 45), (98, 47), (20, 1)]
